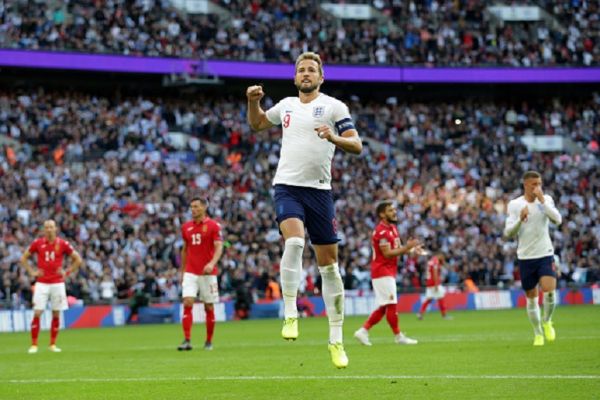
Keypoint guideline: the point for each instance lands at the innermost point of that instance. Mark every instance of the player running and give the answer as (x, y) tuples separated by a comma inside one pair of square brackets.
[(434, 289)]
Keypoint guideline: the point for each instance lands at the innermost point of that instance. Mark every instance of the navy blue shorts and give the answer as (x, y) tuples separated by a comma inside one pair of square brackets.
[(313, 206), (532, 270)]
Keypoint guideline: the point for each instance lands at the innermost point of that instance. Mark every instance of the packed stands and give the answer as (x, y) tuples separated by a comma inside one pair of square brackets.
[(108, 170), (435, 33)]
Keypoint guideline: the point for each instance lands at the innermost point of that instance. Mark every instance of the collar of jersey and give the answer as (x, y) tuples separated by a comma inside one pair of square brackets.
[(312, 101)]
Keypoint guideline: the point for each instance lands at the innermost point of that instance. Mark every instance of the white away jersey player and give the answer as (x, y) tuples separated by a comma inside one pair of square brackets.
[(534, 236), (305, 158)]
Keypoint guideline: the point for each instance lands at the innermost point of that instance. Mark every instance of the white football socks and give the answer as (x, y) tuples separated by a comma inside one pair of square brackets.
[(333, 297), (533, 312), (549, 304), (291, 270)]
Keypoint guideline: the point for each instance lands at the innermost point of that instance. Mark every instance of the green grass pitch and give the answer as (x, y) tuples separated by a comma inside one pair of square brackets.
[(478, 355)]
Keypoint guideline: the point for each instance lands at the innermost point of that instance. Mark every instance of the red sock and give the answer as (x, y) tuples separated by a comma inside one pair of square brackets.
[(442, 306), (391, 315), (54, 330), (186, 322), (374, 318), (210, 324), (424, 306), (35, 330)]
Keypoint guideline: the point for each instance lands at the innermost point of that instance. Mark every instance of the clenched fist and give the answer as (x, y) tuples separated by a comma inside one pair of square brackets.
[(254, 93)]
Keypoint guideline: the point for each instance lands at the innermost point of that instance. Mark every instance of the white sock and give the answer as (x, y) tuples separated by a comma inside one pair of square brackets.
[(291, 269), (533, 312), (333, 297), (549, 305)]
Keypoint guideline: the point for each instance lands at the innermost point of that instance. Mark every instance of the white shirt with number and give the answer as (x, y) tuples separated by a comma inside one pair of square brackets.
[(533, 235), (305, 158)]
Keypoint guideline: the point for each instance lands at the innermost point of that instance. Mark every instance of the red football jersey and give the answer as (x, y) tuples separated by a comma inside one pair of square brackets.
[(433, 265), (381, 266), (200, 239), (50, 258)]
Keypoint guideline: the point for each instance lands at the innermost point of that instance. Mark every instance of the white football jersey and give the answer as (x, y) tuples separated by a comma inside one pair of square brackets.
[(305, 158), (533, 234)]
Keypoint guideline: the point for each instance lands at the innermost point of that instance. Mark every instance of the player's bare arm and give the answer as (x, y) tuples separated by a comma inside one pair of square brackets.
[(349, 141), (76, 262), (388, 252), (183, 259), (25, 264), (208, 268), (419, 250), (257, 118), (436, 279)]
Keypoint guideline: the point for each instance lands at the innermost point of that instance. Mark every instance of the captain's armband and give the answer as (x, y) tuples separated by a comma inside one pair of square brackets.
[(343, 125)]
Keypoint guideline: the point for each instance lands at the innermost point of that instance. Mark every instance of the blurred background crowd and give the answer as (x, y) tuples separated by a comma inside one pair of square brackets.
[(431, 32), (117, 180), (115, 160)]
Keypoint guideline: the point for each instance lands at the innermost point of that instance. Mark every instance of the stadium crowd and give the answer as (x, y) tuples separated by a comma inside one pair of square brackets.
[(112, 176), (436, 32)]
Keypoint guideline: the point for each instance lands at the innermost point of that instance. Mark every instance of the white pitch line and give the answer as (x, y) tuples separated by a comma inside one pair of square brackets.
[(308, 343), (297, 377)]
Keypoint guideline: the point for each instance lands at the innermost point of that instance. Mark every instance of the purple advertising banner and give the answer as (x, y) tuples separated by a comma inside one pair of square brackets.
[(254, 70)]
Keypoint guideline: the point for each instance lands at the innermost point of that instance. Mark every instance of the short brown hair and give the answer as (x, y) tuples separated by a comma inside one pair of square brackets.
[(531, 174), (201, 199), (309, 55), (382, 205)]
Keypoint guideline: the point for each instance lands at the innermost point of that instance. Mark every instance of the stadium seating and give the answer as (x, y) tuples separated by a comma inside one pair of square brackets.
[(118, 186), (448, 33)]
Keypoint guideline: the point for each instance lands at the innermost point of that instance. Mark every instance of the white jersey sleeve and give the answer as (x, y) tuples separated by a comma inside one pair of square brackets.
[(513, 221), (274, 114), (551, 210), (341, 118)]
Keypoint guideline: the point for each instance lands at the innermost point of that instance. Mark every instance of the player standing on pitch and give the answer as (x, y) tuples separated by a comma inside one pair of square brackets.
[(434, 289), (50, 280), (528, 218), (313, 125), (202, 249), (384, 268)]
